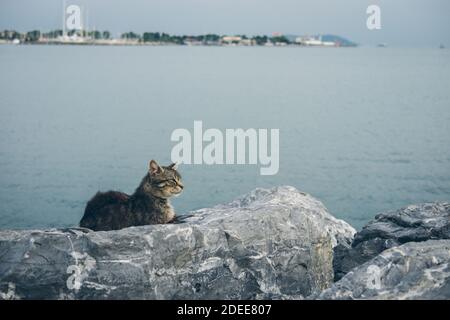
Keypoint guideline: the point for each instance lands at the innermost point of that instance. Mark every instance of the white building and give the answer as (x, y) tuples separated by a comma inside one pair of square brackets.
[(311, 41), (231, 39)]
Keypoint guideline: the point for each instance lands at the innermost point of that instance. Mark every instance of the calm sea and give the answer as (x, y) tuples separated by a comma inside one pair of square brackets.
[(362, 129)]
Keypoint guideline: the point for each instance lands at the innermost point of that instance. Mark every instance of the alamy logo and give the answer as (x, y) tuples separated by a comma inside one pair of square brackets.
[(79, 271), (73, 17), (235, 146), (374, 19)]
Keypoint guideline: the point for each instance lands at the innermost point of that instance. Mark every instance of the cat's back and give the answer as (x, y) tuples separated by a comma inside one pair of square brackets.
[(102, 208), (104, 199)]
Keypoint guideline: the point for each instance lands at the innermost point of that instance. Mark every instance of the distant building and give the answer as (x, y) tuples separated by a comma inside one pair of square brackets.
[(247, 42), (237, 40), (231, 39), (311, 41)]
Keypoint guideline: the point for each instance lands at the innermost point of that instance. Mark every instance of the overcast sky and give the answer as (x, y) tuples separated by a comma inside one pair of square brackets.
[(404, 22)]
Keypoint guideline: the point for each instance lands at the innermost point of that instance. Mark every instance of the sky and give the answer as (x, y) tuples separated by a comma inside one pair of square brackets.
[(403, 22)]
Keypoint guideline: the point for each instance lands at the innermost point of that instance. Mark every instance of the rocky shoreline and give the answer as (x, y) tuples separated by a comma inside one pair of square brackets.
[(269, 244)]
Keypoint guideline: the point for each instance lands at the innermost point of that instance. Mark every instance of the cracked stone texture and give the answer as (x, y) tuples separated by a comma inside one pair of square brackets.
[(415, 270), (273, 243), (414, 223)]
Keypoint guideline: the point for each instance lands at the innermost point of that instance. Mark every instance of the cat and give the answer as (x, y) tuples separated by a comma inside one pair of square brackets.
[(149, 204)]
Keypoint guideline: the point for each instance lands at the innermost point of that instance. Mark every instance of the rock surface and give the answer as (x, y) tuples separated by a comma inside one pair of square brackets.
[(268, 244), (415, 223), (416, 270)]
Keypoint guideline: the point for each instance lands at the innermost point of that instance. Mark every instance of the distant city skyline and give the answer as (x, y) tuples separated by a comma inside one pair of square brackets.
[(404, 22)]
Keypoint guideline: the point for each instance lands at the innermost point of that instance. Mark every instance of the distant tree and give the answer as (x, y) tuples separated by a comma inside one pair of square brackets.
[(12, 34), (177, 40), (95, 34), (32, 36), (130, 35), (165, 37), (280, 39), (151, 36), (260, 40), (56, 33), (212, 37), (52, 34), (106, 35)]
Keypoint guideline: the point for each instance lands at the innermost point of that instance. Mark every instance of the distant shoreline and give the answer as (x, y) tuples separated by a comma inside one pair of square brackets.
[(157, 45), (83, 37), (129, 44)]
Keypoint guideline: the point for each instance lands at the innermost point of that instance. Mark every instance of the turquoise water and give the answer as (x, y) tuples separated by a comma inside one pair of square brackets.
[(362, 129)]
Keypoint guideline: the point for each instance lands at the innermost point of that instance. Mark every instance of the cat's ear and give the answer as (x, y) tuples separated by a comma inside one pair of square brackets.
[(174, 166), (154, 168)]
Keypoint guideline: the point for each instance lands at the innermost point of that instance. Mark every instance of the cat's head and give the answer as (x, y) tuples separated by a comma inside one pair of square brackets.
[(163, 182)]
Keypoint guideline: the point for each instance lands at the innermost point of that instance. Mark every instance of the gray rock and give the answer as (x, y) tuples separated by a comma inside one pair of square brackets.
[(414, 223), (268, 244), (416, 270)]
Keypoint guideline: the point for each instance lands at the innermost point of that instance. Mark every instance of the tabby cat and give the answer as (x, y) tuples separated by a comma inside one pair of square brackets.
[(149, 204)]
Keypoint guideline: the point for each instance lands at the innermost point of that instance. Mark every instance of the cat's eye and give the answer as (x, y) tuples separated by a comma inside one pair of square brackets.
[(171, 182)]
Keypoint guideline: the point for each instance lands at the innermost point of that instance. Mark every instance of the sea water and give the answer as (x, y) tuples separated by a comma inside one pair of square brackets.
[(362, 129)]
